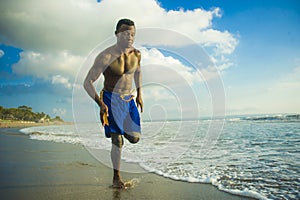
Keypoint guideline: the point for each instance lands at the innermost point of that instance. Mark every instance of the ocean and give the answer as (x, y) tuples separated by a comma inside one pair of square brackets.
[(254, 156)]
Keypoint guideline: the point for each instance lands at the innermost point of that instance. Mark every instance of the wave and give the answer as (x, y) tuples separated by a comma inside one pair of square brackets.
[(267, 118), (207, 180)]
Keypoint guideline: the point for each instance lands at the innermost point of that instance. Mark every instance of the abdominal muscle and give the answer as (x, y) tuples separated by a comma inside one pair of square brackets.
[(118, 84)]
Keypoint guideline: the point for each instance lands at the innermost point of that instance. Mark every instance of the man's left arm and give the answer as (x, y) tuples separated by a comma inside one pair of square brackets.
[(138, 82)]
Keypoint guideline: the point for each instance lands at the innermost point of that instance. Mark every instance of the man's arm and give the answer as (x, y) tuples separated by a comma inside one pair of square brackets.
[(138, 83), (94, 73), (91, 77)]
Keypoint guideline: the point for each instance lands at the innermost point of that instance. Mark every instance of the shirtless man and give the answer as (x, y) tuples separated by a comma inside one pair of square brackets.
[(120, 65)]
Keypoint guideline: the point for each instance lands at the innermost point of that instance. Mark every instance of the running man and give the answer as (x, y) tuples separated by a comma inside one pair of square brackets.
[(120, 65)]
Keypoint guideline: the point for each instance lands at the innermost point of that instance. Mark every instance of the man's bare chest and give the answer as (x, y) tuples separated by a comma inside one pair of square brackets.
[(124, 64)]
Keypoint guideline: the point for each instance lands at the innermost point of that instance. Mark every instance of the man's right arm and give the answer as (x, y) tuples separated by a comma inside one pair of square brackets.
[(92, 76), (94, 73)]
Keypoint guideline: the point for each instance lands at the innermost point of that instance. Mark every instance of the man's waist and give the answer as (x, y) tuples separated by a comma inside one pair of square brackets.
[(123, 92), (124, 96)]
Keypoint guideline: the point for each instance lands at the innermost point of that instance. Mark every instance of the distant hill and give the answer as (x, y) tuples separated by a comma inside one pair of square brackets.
[(25, 113)]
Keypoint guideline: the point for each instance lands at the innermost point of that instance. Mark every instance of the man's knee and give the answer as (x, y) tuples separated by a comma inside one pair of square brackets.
[(132, 137), (117, 139)]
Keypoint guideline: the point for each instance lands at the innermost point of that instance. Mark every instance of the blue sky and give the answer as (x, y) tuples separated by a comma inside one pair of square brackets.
[(254, 45)]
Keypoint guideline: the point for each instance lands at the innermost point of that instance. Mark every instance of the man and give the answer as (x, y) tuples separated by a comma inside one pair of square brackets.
[(120, 65)]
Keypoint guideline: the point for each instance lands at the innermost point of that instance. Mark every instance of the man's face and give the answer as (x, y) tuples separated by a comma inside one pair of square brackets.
[(125, 36)]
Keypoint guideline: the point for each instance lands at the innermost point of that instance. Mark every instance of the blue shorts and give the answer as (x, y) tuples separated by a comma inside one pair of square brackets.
[(123, 116)]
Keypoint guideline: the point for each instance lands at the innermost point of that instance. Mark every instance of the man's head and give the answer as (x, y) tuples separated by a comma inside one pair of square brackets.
[(125, 32), (123, 24)]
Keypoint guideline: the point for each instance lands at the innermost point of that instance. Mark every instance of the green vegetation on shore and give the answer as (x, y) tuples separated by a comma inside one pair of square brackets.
[(25, 113)]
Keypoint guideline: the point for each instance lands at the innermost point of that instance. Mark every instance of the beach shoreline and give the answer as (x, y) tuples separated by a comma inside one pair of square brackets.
[(24, 124), (32, 169)]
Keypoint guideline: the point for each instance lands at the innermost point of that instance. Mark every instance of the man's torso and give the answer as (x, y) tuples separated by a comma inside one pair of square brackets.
[(119, 73)]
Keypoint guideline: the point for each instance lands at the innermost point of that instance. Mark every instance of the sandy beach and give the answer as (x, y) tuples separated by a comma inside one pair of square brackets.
[(23, 124), (32, 169)]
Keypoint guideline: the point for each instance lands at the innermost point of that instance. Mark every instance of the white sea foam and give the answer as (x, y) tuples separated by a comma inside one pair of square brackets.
[(53, 138), (245, 193)]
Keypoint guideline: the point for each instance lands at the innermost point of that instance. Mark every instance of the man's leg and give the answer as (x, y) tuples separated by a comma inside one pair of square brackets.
[(132, 127), (116, 149), (132, 137)]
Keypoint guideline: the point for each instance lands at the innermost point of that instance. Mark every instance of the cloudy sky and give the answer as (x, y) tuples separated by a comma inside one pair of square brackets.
[(199, 58)]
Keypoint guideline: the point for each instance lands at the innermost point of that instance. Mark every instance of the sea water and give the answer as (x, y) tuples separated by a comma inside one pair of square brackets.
[(251, 156)]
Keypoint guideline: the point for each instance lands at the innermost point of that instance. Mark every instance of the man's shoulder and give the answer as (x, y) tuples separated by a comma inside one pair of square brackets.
[(105, 54), (137, 52)]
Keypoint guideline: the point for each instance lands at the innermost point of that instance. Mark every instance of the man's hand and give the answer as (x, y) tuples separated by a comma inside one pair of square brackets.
[(139, 102), (104, 114)]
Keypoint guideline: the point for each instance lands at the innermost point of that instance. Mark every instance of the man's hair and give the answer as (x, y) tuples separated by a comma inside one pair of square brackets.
[(124, 21)]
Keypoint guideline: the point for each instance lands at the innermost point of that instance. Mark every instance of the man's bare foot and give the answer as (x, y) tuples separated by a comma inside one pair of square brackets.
[(117, 183)]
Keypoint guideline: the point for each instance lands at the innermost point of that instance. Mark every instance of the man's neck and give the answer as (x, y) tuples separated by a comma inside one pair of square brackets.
[(120, 50)]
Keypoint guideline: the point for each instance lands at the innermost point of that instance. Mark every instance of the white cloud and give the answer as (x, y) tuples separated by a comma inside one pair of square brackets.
[(221, 62), (58, 79), (44, 26), (223, 42), (169, 83), (1, 53), (46, 65), (155, 60), (52, 26), (58, 35)]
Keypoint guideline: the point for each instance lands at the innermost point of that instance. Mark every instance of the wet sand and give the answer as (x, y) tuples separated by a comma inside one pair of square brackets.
[(32, 169)]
